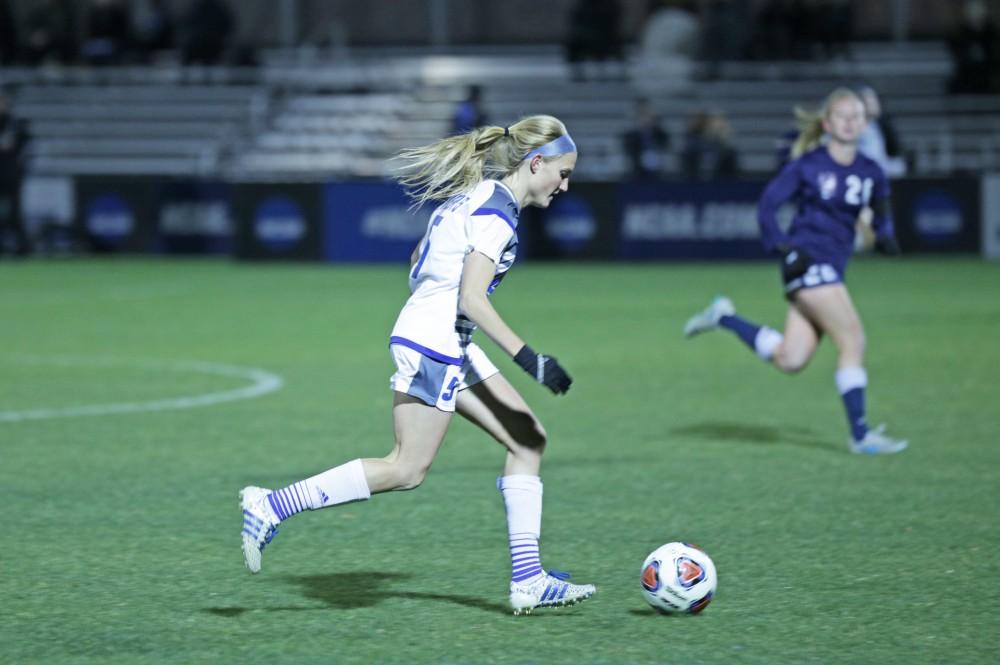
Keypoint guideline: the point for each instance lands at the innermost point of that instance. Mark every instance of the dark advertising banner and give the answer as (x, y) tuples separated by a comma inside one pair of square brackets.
[(579, 224), (194, 217), (937, 214), (277, 221), (116, 214), (370, 221), (689, 220)]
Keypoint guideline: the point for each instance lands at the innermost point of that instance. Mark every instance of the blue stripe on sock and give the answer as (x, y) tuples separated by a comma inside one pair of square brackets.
[(526, 573), (276, 506), (284, 502), (524, 557), (289, 500), (289, 496), (300, 493)]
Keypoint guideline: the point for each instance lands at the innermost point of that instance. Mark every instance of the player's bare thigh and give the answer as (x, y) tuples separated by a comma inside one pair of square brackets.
[(830, 307), (419, 430), (799, 342)]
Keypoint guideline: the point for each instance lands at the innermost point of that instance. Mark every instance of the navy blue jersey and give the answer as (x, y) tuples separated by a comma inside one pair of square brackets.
[(829, 197)]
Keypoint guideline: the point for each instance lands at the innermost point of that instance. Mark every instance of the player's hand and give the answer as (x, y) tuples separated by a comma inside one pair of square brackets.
[(545, 369), (864, 234), (794, 263)]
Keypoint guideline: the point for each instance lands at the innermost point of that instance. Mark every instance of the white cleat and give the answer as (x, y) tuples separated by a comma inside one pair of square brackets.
[(260, 524), (877, 443), (548, 590), (708, 318)]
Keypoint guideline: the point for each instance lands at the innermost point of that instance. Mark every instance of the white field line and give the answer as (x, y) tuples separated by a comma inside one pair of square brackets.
[(262, 383)]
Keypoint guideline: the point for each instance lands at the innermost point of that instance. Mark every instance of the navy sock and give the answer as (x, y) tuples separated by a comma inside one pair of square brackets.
[(851, 384), (745, 330), (854, 404)]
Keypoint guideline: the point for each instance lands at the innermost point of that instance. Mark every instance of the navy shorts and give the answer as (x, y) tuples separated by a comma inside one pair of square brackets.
[(817, 274)]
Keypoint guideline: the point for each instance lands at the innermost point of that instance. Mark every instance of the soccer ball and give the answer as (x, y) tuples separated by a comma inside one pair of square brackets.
[(678, 578)]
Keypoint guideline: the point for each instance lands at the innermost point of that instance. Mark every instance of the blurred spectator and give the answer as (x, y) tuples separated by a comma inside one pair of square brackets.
[(13, 138), (975, 51), (646, 143), (50, 28), (154, 28), (708, 153), (469, 112), (879, 140), (671, 29), (108, 32), (8, 34), (207, 27), (594, 35)]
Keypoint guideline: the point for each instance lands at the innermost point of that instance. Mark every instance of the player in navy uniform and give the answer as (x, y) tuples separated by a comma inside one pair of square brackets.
[(485, 177), (840, 193)]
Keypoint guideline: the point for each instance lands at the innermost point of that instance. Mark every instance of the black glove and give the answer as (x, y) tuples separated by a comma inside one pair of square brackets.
[(887, 245), (794, 263), (546, 370)]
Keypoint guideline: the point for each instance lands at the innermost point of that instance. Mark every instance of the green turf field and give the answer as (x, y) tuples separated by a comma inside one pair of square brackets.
[(120, 530)]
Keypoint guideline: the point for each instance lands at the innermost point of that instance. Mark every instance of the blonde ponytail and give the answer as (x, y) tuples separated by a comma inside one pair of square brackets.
[(457, 163), (810, 124)]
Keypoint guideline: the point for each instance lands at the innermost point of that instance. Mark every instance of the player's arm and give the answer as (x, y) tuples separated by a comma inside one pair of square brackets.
[(864, 234), (477, 274), (779, 191), (885, 230), (474, 303)]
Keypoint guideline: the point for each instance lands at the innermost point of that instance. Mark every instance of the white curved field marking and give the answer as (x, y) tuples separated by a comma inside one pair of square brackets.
[(263, 382)]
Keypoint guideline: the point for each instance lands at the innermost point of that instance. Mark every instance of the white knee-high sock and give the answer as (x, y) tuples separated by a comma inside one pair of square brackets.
[(522, 497), (341, 484)]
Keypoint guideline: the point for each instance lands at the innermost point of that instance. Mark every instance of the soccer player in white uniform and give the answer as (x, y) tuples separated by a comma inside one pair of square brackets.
[(485, 177)]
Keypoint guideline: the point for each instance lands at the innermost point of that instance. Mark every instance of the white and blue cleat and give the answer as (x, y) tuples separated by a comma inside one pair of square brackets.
[(260, 524), (708, 318), (548, 590), (876, 442)]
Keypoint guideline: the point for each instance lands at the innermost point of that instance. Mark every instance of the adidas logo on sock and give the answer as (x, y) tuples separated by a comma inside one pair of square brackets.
[(323, 496)]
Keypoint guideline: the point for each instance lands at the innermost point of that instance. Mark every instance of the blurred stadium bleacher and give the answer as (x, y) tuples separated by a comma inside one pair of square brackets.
[(291, 119)]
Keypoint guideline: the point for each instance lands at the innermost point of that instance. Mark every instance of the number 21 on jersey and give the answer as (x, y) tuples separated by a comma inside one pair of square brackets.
[(859, 191)]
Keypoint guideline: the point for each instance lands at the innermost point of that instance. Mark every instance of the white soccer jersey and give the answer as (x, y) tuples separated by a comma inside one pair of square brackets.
[(481, 220)]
